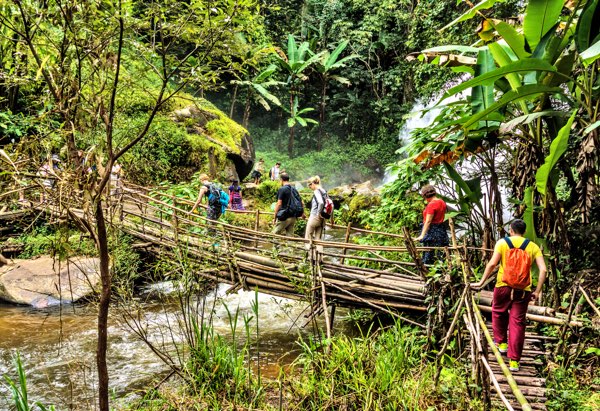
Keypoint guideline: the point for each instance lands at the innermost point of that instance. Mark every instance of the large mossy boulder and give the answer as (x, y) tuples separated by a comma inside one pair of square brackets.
[(44, 282), (354, 198), (190, 135), (219, 145)]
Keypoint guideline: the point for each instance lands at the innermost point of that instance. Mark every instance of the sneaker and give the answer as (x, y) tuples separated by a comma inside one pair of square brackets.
[(503, 348), (513, 365)]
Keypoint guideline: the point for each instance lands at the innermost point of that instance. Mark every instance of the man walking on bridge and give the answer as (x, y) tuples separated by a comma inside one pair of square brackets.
[(512, 293), (288, 207)]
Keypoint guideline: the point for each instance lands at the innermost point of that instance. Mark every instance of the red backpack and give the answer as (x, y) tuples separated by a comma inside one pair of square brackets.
[(517, 266)]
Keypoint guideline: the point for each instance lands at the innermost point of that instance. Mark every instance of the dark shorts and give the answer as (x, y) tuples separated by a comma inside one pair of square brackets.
[(437, 236)]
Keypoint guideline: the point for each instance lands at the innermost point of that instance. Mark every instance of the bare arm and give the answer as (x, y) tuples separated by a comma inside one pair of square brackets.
[(489, 269), (200, 195), (539, 260), (277, 207), (426, 225)]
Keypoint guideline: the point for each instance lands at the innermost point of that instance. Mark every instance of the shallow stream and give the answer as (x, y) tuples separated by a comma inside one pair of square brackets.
[(58, 346)]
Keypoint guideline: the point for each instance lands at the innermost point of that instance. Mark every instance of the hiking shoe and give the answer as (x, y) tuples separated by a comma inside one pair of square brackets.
[(513, 365), (503, 348)]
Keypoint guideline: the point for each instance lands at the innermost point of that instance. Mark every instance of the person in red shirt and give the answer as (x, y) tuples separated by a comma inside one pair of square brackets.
[(433, 233)]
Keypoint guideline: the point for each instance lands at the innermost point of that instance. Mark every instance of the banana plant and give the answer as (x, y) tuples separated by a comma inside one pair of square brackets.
[(257, 88), (326, 66), (521, 74), (295, 64), (296, 115)]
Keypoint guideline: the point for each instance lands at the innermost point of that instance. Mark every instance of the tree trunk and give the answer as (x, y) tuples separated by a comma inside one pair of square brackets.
[(322, 114), (103, 307), (291, 143), (232, 107), (246, 118)]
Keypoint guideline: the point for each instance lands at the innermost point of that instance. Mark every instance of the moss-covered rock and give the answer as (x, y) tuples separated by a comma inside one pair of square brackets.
[(219, 146), (360, 202)]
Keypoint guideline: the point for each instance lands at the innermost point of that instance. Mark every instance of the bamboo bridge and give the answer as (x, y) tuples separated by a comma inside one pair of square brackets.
[(239, 250)]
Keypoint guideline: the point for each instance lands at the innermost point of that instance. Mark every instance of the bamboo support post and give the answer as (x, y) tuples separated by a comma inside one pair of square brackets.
[(175, 223), (346, 240), (256, 225), (410, 246)]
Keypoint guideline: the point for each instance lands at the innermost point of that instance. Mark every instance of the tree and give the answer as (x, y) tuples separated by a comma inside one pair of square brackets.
[(85, 52), (295, 63), (325, 67)]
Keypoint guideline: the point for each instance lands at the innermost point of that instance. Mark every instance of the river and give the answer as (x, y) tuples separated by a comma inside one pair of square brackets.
[(57, 346)]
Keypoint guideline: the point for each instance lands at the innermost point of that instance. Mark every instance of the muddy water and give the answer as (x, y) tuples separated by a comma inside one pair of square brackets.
[(57, 347)]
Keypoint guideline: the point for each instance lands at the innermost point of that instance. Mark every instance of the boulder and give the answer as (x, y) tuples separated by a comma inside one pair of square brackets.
[(226, 148), (45, 282)]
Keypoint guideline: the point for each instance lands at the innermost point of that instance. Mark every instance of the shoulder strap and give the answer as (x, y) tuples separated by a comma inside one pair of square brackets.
[(510, 244), (525, 244)]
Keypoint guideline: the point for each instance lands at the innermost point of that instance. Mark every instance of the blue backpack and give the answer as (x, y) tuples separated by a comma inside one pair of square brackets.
[(217, 198)]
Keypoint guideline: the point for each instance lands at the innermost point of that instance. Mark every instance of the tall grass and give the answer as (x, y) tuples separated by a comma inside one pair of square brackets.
[(385, 370), (18, 390)]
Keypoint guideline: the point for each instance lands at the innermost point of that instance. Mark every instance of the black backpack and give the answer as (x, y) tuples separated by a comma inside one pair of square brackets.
[(294, 207), (214, 197)]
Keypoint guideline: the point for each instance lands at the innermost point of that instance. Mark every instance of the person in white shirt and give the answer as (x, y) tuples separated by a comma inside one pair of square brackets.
[(275, 172)]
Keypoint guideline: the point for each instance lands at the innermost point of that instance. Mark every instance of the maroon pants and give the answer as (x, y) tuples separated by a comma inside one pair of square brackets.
[(509, 308)]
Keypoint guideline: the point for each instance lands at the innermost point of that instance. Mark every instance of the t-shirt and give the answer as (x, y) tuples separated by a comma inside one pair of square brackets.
[(283, 194), (275, 173), (501, 247), (436, 207)]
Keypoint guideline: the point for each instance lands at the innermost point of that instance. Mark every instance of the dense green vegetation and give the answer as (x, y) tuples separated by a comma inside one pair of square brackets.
[(324, 88)]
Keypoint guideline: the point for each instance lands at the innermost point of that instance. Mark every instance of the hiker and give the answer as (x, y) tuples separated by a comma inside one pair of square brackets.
[(315, 224), (433, 233), (214, 210), (235, 196), (49, 172), (512, 293), (274, 172), (116, 183), (288, 207), (258, 171)]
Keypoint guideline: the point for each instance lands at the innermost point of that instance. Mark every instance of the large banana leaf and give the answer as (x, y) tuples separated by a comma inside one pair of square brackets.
[(557, 149), (469, 191), (482, 96), (540, 17), (528, 118), (515, 40), (513, 96), (588, 26), (592, 54), (488, 78)]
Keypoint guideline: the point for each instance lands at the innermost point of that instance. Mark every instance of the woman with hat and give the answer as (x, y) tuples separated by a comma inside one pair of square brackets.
[(433, 233)]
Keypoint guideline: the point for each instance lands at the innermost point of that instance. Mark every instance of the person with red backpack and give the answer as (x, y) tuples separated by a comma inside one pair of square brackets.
[(512, 293)]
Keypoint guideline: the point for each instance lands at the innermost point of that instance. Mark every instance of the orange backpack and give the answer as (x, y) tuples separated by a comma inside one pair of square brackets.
[(517, 266)]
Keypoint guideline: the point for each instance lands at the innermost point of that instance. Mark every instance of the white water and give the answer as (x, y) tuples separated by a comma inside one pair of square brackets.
[(58, 350)]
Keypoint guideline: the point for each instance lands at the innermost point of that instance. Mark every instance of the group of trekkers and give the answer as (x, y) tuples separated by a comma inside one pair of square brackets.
[(259, 170), (288, 207), (513, 291)]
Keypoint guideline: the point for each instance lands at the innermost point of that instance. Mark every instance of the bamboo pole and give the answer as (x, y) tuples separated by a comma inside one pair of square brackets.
[(589, 300), (511, 381), (346, 240)]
